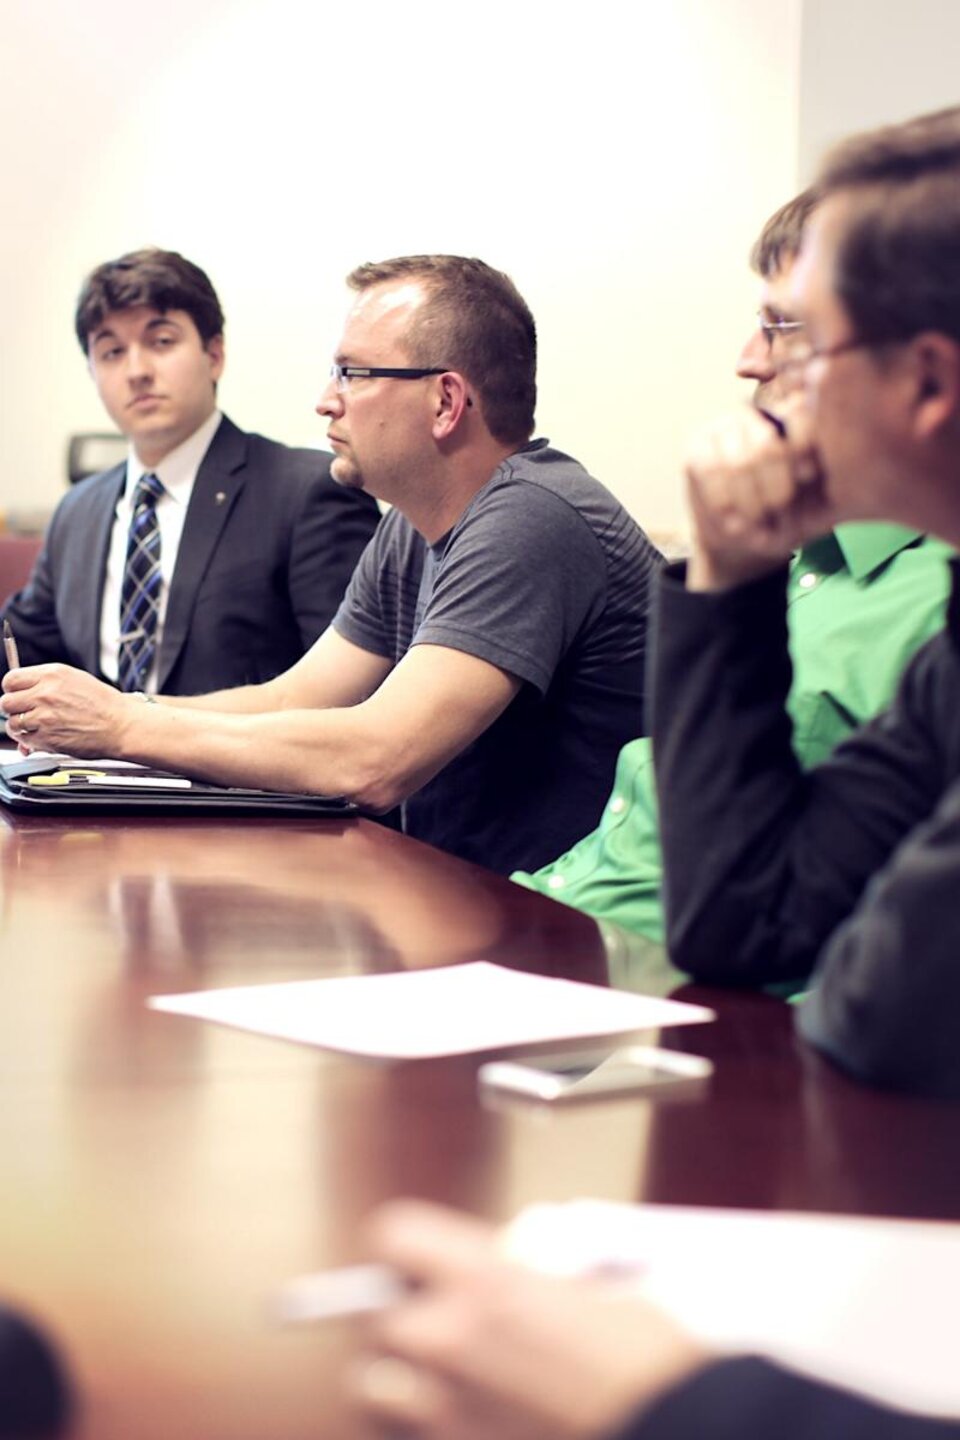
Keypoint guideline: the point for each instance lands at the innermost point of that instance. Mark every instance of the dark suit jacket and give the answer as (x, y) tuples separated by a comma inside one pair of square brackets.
[(744, 1398), (269, 542)]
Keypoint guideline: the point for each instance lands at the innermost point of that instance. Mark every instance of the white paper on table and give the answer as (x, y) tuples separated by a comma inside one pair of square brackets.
[(10, 755), (873, 1305), (413, 1014)]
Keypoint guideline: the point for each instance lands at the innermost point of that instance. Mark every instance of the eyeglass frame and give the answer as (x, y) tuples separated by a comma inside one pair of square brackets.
[(341, 375), (827, 352), (770, 329)]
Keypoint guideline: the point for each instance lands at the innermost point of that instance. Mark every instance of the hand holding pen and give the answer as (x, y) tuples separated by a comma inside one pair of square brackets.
[(13, 663), (461, 1341), (58, 708)]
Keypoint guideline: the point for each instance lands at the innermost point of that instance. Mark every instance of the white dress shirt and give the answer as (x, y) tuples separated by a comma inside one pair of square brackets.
[(177, 472)]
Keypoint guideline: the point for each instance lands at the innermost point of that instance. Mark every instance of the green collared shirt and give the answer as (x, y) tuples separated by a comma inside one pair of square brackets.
[(860, 602)]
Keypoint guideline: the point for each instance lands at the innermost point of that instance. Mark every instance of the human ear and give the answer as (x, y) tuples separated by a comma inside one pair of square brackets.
[(452, 400), (936, 383), (215, 349)]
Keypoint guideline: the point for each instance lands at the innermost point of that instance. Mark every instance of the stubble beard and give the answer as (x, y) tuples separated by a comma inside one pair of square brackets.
[(345, 473)]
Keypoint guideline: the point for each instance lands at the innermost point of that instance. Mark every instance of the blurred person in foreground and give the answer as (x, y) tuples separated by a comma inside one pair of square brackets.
[(485, 1349)]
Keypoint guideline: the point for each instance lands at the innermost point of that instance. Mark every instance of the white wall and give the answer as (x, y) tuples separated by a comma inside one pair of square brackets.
[(873, 62), (613, 161)]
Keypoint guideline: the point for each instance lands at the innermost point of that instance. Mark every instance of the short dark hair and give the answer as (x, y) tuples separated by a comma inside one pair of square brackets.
[(897, 267), (161, 279), (474, 320), (779, 241)]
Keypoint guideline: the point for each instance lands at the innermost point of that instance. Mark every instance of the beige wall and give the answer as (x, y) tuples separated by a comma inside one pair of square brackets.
[(616, 164), (609, 157), (872, 62)]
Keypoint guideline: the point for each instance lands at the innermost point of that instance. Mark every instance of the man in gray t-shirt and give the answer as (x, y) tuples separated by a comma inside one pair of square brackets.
[(545, 576), (487, 665)]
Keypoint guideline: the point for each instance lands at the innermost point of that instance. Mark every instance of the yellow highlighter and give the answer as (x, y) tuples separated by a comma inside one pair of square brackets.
[(64, 777)]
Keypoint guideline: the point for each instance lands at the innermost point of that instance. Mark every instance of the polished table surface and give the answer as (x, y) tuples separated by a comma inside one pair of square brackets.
[(161, 1176)]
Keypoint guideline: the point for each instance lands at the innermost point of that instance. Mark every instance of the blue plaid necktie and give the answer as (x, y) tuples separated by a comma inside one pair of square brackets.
[(140, 592)]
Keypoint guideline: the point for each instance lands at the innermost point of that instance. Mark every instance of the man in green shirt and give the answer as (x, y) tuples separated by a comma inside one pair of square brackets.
[(860, 602)]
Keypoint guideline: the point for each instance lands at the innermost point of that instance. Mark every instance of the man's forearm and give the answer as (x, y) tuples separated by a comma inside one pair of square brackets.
[(724, 765), (242, 700), (328, 752), (337, 751)]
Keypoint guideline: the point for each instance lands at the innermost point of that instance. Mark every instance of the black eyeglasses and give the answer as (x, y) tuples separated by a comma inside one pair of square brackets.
[(341, 375)]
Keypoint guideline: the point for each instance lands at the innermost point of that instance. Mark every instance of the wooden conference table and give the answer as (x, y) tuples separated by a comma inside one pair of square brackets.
[(162, 1176)]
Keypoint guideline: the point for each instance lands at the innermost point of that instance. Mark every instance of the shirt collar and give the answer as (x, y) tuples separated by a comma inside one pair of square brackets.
[(178, 470), (866, 545)]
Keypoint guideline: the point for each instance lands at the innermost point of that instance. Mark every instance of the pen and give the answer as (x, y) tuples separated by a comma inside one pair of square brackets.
[(10, 647), (351, 1290), (363, 1289)]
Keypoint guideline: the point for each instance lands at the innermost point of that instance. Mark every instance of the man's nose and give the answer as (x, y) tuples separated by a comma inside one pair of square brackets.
[(756, 361), (139, 363), (331, 401)]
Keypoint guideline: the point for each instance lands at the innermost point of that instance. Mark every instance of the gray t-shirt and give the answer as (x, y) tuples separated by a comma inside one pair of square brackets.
[(546, 576)]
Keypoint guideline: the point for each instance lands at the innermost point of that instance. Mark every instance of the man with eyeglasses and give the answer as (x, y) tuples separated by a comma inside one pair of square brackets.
[(859, 603), (855, 865), (209, 557), (487, 662)]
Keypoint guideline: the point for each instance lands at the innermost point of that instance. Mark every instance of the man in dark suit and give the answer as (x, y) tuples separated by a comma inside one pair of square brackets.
[(256, 542)]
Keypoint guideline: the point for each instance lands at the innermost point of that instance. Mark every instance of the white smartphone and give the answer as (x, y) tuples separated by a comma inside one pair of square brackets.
[(586, 1075)]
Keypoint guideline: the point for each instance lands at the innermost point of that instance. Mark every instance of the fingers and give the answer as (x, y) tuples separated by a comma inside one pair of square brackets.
[(455, 1272), (23, 721), (397, 1395), (741, 471), (429, 1244), (17, 711), (22, 688), (16, 701), (481, 1348), (756, 493), (58, 708), (21, 735), (27, 677), (404, 1382), (448, 1259)]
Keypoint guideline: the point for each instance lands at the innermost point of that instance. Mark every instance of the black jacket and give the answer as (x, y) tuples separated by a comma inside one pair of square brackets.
[(750, 1399), (853, 866), (269, 542)]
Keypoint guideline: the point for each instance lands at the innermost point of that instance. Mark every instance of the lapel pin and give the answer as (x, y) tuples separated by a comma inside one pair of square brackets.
[(220, 496)]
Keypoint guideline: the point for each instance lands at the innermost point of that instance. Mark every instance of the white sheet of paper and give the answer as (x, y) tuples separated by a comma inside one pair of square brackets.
[(10, 755), (413, 1014), (870, 1304)]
